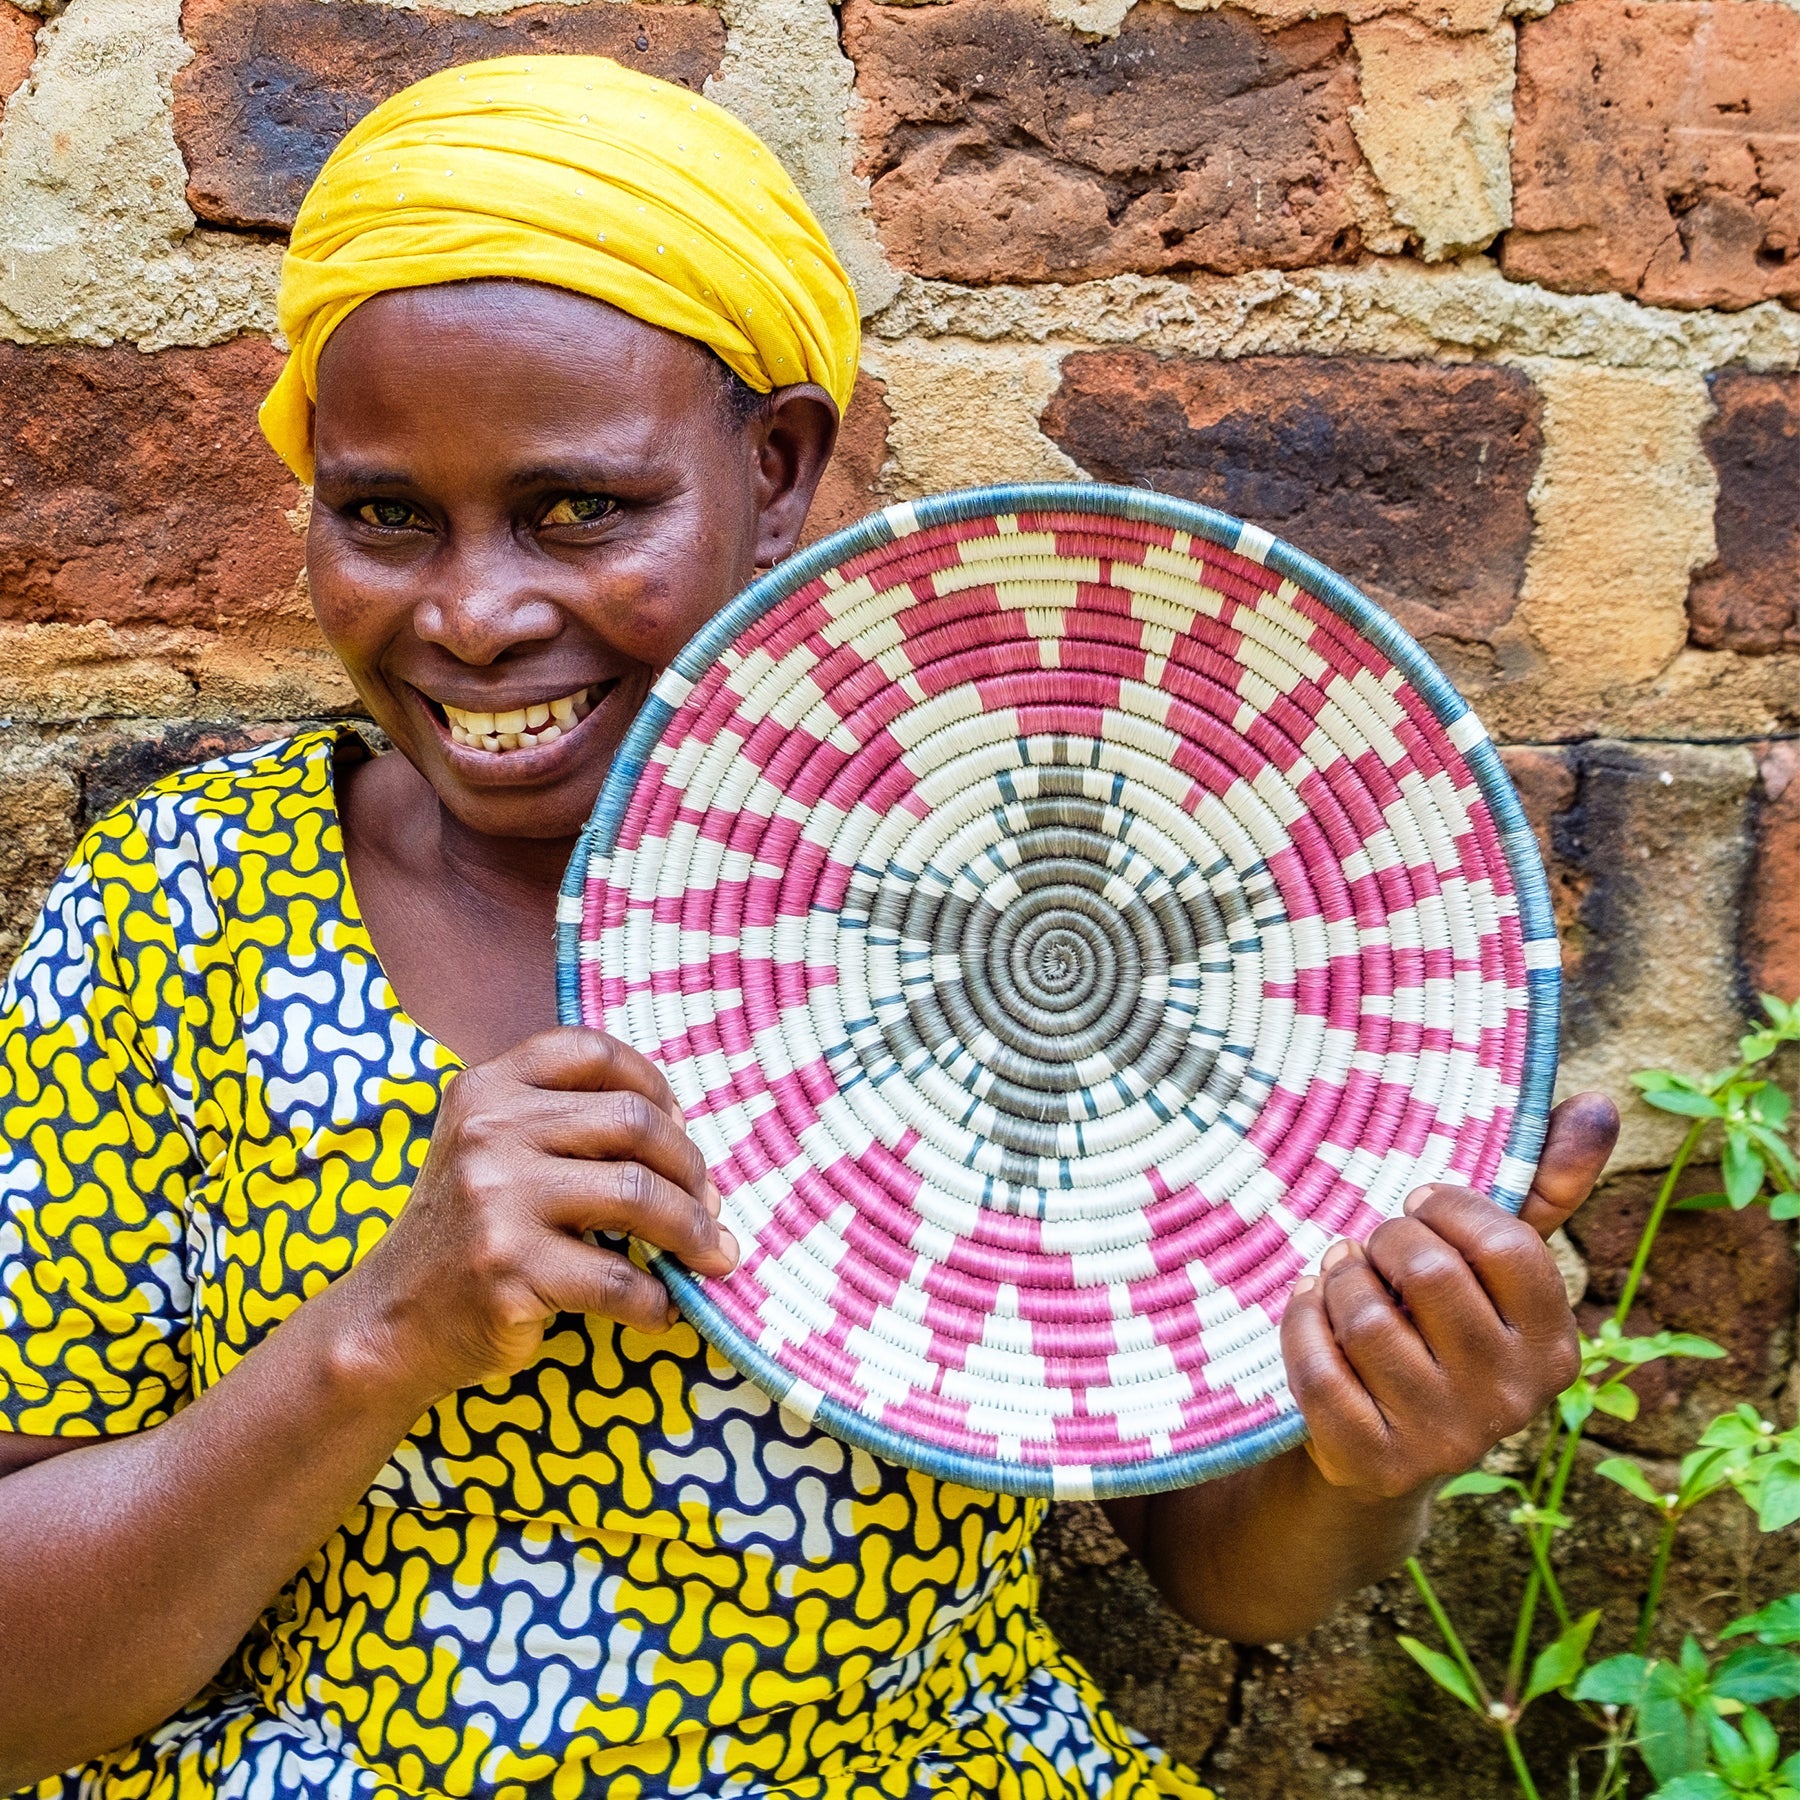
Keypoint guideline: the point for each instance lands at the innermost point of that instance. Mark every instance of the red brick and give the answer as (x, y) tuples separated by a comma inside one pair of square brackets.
[(1769, 930), (1410, 478), (851, 486), (1748, 599), (18, 45), (275, 83), (1656, 151), (138, 488), (1002, 147)]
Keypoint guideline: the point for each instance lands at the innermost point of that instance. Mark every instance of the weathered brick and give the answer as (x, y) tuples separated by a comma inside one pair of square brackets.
[(1410, 478), (851, 486), (1656, 151), (1769, 936), (138, 488), (1749, 599), (275, 83), (1002, 147), (18, 45)]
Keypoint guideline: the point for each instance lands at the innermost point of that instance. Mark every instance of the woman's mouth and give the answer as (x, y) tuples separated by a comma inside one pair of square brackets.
[(523, 727)]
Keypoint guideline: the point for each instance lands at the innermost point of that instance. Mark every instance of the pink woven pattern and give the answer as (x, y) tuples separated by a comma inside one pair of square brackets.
[(1058, 931)]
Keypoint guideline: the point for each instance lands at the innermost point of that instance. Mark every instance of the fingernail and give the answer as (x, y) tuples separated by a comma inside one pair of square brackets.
[(729, 1245), (1416, 1199), (711, 1199), (1339, 1254), (1305, 1285), (674, 1313)]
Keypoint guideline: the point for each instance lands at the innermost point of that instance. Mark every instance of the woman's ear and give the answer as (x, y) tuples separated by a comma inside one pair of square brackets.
[(792, 438)]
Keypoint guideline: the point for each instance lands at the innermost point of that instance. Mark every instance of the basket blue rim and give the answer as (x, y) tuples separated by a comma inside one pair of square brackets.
[(1518, 845)]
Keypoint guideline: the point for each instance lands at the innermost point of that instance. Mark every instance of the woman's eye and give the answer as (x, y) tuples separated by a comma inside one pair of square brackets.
[(392, 515), (579, 509)]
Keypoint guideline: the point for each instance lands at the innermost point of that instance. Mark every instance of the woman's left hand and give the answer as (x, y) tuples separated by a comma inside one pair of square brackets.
[(1411, 1358)]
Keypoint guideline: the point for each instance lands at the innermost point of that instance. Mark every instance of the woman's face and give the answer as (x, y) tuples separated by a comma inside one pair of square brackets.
[(526, 502)]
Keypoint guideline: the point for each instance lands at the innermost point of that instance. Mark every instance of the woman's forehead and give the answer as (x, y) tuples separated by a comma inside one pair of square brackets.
[(542, 370)]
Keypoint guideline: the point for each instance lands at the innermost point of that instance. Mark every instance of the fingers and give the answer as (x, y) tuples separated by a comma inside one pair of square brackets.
[(617, 1126), (1448, 1307), (576, 1059), (570, 1276), (1340, 1413), (1375, 1336), (1504, 1254), (631, 1197), (1583, 1130)]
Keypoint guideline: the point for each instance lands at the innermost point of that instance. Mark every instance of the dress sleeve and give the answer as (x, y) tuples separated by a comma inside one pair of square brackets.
[(97, 1150)]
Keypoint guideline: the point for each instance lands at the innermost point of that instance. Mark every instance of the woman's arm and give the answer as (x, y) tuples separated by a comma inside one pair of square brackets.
[(1410, 1360), (133, 1566)]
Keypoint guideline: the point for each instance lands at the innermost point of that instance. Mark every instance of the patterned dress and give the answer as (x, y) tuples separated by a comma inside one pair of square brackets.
[(622, 1573)]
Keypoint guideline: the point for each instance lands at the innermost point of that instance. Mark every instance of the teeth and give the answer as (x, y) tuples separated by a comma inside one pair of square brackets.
[(521, 727)]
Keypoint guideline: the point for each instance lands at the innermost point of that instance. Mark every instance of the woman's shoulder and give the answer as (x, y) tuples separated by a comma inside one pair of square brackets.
[(203, 807)]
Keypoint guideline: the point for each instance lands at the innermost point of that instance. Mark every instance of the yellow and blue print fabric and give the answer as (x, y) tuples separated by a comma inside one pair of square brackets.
[(623, 1573)]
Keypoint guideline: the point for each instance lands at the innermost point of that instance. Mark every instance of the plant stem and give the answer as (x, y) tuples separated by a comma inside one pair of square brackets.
[(1515, 1668), (1653, 1593), (1527, 1786), (1653, 1224), (1441, 1620), (1539, 1536)]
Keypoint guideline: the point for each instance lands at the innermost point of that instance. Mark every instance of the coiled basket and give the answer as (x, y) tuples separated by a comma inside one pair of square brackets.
[(1062, 912)]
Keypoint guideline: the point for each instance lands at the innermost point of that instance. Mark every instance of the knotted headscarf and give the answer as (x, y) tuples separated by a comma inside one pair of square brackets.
[(577, 173)]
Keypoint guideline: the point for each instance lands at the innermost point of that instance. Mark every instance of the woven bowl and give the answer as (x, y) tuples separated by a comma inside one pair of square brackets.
[(1061, 911)]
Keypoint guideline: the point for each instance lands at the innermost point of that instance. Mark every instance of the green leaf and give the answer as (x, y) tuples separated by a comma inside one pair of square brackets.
[(1779, 1502), (1576, 1404), (1631, 1478), (1783, 1014), (1671, 1740), (1701, 1203), (1742, 1168), (1634, 1352), (1758, 1045), (1443, 1671), (1785, 1205), (1616, 1400), (1702, 1785), (1765, 1746), (1618, 1681), (1733, 1755), (1685, 1101), (1776, 1623), (1775, 1153), (1755, 1675), (1653, 1080), (1478, 1481), (1559, 1663), (1772, 1105), (1732, 1431)]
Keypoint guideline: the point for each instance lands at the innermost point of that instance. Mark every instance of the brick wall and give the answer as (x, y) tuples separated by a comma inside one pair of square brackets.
[(1489, 304)]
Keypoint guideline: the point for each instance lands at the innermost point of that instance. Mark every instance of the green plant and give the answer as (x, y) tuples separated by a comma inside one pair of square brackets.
[(1694, 1722)]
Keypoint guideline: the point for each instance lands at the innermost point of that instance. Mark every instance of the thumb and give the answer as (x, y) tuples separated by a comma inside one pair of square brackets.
[(1583, 1130)]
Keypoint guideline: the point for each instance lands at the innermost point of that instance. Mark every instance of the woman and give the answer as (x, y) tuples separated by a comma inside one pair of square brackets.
[(340, 1461)]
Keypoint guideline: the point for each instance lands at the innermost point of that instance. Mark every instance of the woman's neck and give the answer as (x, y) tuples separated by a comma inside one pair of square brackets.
[(464, 924)]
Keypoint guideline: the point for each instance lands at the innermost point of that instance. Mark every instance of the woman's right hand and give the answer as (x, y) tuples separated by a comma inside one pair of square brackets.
[(569, 1132)]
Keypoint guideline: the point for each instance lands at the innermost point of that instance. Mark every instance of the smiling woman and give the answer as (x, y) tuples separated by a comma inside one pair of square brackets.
[(505, 556), (342, 1450)]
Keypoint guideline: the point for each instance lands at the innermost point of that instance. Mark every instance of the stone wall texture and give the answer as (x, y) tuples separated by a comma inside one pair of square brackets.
[(1494, 304)]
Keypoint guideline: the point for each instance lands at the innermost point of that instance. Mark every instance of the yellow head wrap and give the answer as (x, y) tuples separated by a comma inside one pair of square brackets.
[(574, 172)]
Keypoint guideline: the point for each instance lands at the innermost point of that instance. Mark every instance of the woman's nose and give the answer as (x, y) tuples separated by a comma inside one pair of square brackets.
[(482, 603)]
